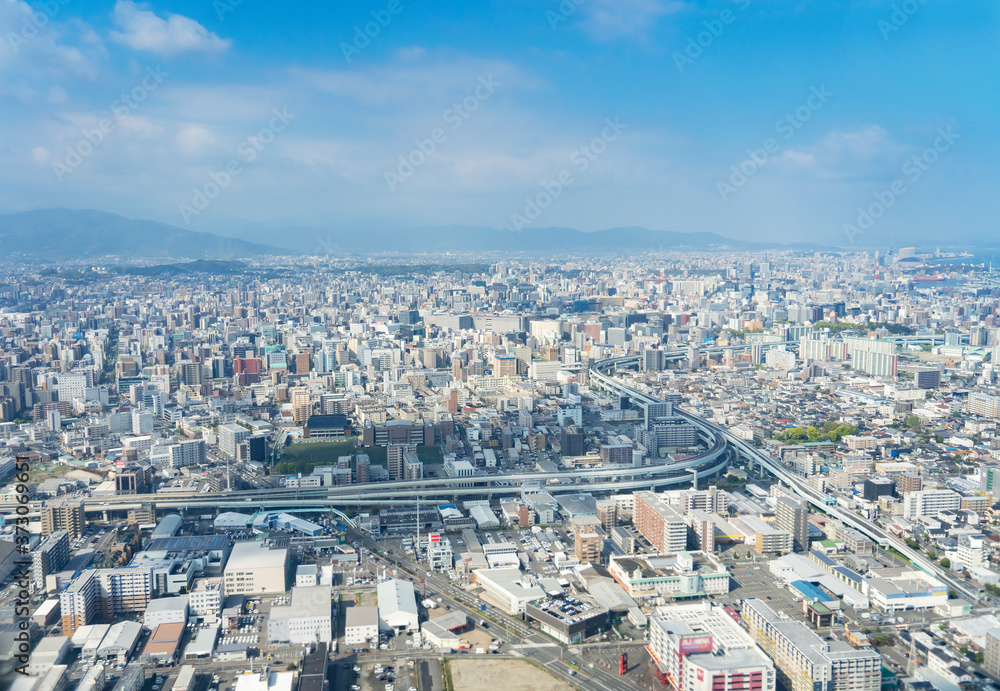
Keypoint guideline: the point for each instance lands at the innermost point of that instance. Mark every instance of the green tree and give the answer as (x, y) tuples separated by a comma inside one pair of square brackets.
[(946, 563)]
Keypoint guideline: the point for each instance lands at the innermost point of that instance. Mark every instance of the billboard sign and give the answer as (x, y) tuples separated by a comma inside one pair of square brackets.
[(435, 537), (695, 644)]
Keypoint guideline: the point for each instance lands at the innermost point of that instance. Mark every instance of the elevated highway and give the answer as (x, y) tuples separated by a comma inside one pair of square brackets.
[(877, 534)]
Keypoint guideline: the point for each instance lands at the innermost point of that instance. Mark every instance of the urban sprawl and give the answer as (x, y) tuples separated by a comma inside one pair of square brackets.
[(705, 471)]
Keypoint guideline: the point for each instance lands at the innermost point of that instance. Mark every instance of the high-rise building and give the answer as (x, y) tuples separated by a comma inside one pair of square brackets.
[(187, 453), (71, 386), (876, 487), (394, 459), (652, 360), (607, 513), (616, 454), (930, 502), (571, 441), (413, 467), (587, 546), (230, 438), (793, 516), (68, 517), (992, 662), (909, 482), (363, 471), (806, 662), (301, 405), (927, 378), (984, 405), (49, 557), (661, 524), (107, 594)]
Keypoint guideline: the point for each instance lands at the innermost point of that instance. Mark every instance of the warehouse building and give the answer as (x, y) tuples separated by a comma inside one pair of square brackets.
[(397, 606)]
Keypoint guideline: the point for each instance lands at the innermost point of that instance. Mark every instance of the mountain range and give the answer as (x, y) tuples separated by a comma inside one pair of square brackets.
[(65, 234)]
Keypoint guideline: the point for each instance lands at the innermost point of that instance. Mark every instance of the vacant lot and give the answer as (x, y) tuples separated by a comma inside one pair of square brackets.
[(517, 675)]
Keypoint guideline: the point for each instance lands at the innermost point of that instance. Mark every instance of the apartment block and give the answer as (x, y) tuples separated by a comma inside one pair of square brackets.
[(806, 662), (68, 517), (661, 524)]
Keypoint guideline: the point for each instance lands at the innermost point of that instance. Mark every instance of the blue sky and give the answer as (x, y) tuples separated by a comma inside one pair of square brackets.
[(774, 120)]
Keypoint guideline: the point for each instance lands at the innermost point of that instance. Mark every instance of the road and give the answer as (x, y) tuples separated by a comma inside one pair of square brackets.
[(877, 534), (520, 641)]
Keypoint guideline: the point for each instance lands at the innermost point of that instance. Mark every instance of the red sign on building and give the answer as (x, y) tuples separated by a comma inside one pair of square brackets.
[(695, 644)]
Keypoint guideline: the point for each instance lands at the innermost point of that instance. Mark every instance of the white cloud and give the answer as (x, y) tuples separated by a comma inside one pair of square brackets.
[(194, 139), (866, 152), (33, 43), (411, 53), (608, 20), (143, 30)]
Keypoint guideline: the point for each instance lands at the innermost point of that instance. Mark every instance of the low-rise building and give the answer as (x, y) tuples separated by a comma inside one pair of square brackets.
[(670, 576), (306, 619), (397, 606), (568, 619), (508, 588), (910, 590), (361, 625)]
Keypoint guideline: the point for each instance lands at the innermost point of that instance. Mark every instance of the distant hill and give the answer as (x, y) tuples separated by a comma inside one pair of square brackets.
[(62, 234), (340, 240)]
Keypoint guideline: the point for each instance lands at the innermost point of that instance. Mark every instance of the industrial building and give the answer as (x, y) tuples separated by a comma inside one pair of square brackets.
[(306, 619), (397, 606), (255, 568)]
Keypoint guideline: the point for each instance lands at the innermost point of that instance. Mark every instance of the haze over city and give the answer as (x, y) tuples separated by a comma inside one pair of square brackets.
[(561, 345)]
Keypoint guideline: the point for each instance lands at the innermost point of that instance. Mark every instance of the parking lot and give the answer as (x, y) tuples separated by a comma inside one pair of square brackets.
[(385, 676)]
